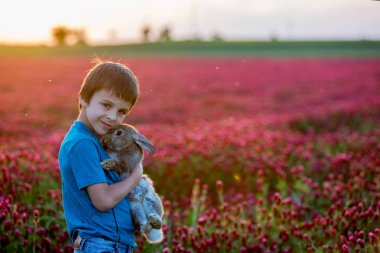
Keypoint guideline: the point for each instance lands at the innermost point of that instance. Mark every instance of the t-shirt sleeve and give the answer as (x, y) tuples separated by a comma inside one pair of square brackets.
[(85, 163)]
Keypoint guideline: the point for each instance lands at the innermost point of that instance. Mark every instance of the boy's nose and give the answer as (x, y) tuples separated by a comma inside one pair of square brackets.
[(112, 115)]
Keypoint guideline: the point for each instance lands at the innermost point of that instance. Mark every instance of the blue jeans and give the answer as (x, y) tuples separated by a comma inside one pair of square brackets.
[(100, 245)]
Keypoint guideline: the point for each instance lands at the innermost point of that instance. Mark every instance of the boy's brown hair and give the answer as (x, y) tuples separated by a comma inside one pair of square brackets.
[(114, 77)]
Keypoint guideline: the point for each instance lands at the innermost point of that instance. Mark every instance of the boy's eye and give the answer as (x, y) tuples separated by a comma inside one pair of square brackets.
[(107, 105), (123, 112)]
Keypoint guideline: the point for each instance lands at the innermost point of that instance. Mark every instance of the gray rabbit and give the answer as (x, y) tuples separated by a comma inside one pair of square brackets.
[(125, 145)]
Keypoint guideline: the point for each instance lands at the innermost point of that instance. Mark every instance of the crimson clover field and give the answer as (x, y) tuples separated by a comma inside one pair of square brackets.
[(254, 154)]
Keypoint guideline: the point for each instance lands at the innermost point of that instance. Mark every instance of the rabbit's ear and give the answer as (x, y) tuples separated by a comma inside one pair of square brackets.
[(144, 143)]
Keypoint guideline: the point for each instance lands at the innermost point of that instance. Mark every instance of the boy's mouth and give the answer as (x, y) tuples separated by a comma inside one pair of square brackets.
[(105, 124)]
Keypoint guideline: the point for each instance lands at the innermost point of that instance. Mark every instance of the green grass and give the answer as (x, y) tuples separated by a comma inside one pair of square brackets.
[(202, 48)]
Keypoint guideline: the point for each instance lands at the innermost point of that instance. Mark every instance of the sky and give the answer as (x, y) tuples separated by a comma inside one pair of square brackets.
[(121, 21)]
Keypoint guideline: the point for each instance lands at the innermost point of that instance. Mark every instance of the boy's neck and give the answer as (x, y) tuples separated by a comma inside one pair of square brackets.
[(82, 117)]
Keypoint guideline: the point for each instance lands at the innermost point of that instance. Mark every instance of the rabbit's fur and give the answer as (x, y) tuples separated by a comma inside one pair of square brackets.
[(125, 145)]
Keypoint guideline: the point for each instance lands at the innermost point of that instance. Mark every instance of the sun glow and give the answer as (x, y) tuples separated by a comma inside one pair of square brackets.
[(121, 21)]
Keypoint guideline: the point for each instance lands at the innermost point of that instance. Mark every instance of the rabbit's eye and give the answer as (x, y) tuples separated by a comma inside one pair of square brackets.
[(119, 133)]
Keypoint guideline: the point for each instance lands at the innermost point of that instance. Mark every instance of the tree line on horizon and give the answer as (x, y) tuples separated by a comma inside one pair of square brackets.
[(65, 36)]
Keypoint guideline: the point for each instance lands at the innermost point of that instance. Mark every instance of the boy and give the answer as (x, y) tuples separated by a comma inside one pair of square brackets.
[(96, 209)]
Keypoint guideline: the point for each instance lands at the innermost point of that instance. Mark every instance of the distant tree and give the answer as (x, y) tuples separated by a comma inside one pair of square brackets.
[(145, 31), (217, 37), (274, 36), (63, 36), (165, 34), (80, 36), (60, 34)]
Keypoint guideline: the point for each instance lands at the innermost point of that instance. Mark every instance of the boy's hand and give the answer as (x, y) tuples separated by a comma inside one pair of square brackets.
[(138, 169)]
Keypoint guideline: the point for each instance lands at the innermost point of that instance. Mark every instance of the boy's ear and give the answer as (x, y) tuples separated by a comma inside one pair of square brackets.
[(82, 102)]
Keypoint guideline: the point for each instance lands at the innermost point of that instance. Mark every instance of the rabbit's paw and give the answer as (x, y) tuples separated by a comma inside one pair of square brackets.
[(155, 221), (109, 164), (145, 227)]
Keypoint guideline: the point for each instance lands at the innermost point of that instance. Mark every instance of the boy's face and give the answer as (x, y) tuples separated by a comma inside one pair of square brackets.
[(103, 111)]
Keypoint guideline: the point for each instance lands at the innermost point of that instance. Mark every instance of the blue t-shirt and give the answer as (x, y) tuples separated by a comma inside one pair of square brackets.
[(79, 161)]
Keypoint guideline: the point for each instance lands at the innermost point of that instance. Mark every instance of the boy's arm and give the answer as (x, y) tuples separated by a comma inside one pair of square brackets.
[(105, 196)]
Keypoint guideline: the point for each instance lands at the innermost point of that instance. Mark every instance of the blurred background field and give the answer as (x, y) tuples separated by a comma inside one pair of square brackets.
[(207, 48), (257, 152)]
